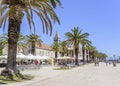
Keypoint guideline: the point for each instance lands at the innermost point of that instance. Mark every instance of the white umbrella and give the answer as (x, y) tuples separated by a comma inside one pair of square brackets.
[(38, 57), (65, 57), (21, 56), (3, 57), (45, 57), (30, 56)]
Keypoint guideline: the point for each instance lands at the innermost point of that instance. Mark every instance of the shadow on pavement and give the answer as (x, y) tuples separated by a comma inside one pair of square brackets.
[(2, 83)]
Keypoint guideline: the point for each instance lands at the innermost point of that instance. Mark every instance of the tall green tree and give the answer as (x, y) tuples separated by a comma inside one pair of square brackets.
[(14, 10), (88, 48), (102, 56), (32, 40), (56, 47), (92, 50), (1, 49), (20, 44), (74, 38), (64, 48), (1, 52), (4, 40), (84, 42)]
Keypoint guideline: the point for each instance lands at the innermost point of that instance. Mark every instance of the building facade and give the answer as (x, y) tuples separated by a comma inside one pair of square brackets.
[(45, 50)]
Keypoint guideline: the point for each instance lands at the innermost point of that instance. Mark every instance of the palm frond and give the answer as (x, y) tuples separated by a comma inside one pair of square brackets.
[(43, 8), (55, 3), (3, 19)]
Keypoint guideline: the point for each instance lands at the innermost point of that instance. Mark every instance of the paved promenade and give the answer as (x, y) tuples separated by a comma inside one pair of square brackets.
[(88, 75)]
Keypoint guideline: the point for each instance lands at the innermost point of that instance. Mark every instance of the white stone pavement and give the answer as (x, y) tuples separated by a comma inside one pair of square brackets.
[(88, 75), (45, 72)]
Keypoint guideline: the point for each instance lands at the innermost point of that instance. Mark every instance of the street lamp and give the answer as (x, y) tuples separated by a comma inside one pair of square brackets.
[(114, 55), (114, 62)]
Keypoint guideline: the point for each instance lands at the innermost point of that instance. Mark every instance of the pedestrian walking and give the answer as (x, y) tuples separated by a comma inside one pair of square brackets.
[(114, 63), (106, 62)]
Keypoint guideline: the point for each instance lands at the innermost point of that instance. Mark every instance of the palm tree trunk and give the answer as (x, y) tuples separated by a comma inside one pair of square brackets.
[(56, 54), (33, 49), (63, 53), (87, 59), (76, 55), (90, 56), (87, 56), (13, 35), (83, 53)]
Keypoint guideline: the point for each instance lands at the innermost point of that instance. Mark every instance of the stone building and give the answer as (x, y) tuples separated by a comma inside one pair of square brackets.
[(44, 50)]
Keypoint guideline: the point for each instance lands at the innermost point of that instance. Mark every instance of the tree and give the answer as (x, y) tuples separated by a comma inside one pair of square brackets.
[(74, 38), (20, 44), (14, 10), (1, 49), (102, 56), (64, 48), (91, 50), (56, 47), (1, 52), (84, 42), (32, 40), (4, 40), (87, 48)]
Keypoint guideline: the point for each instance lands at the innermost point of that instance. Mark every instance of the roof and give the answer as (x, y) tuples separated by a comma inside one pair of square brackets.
[(44, 46)]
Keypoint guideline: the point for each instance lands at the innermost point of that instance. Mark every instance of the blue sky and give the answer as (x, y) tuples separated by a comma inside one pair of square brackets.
[(100, 18)]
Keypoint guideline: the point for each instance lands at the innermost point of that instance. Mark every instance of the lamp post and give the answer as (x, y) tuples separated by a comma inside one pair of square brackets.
[(114, 62), (114, 56)]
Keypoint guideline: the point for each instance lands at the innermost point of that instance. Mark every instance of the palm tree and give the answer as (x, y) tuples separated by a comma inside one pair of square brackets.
[(32, 40), (74, 38), (101, 56), (84, 42), (95, 53), (1, 49), (20, 44), (92, 53), (4, 40), (1, 52), (88, 49), (14, 10), (56, 47), (64, 48)]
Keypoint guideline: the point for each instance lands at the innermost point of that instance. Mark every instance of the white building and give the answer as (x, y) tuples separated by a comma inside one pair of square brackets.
[(41, 50), (44, 50)]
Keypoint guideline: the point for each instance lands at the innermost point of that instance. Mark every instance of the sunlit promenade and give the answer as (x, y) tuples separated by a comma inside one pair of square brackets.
[(88, 75)]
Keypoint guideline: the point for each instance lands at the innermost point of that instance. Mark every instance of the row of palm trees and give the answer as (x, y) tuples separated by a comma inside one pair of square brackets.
[(75, 39)]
